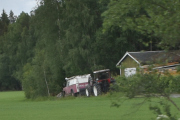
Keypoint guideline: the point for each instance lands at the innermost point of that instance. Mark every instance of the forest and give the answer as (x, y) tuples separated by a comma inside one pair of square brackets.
[(63, 38)]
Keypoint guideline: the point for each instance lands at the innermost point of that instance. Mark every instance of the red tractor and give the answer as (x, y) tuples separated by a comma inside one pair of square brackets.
[(100, 83)]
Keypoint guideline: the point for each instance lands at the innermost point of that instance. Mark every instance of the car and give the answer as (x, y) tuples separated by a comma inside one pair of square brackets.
[(76, 85)]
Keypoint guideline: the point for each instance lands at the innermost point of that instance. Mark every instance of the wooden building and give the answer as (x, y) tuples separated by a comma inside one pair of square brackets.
[(160, 60)]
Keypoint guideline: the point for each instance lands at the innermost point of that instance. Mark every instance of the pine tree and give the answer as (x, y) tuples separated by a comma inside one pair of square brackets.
[(12, 18), (4, 22)]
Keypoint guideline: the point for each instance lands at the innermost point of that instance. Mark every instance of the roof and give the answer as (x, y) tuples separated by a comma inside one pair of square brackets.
[(151, 57), (101, 71), (78, 76)]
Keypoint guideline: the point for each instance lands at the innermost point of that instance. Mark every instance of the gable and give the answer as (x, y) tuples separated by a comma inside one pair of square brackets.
[(128, 62), (125, 57)]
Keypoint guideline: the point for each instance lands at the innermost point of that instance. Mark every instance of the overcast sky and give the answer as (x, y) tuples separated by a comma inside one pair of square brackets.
[(17, 6)]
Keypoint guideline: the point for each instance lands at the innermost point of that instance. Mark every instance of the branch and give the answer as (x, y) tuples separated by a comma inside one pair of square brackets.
[(169, 99), (139, 105)]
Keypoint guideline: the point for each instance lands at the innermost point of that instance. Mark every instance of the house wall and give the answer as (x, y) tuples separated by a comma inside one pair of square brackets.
[(128, 62)]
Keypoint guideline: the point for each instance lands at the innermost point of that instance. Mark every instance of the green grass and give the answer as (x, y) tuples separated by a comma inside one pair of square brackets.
[(14, 106)]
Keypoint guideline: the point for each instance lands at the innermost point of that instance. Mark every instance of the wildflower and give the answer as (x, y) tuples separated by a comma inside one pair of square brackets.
[(162, 117)]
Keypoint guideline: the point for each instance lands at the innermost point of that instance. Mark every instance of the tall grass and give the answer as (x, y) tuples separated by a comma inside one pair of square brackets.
[(14, 106)]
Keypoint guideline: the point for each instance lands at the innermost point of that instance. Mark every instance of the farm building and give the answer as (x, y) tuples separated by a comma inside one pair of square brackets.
[(160, 60)]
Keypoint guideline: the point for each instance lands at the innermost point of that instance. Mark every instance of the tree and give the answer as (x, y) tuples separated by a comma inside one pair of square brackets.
[(12, 18), (7, 81), (10, 49), (43, 75), (156, 19), (79, 23), (16, 45), (4, 22)]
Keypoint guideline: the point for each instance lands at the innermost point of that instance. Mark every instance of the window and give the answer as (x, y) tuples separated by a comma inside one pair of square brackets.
[(129, 71)]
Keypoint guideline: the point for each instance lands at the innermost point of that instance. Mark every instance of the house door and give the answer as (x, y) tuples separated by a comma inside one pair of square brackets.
[(129, 71)]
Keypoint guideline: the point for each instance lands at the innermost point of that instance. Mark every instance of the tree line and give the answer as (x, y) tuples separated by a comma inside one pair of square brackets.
[(63, 38)]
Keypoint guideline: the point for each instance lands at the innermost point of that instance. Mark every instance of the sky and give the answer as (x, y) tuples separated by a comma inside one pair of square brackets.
[(17, 6)]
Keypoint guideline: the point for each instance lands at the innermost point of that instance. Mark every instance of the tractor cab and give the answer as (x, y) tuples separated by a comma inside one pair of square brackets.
[(102, 75)]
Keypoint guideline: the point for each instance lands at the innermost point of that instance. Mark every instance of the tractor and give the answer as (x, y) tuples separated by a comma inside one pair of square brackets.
[(99, 83)]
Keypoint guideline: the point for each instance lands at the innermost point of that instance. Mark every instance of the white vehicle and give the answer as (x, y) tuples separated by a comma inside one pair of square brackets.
[(75, 85)]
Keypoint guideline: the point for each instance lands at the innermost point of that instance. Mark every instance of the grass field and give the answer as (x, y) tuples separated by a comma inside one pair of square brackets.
[(14, 106)]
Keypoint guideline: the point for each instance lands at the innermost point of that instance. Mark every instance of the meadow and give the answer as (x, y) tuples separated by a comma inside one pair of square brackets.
[(14, 106)]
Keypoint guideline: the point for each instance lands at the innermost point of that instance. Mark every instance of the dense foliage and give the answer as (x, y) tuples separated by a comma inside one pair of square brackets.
[(63, 38)]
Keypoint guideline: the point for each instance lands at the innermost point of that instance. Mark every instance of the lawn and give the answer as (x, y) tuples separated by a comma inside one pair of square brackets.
[(14, 106)]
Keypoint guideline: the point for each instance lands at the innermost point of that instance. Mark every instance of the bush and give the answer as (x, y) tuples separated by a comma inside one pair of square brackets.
[(148, 84), (151, 85)]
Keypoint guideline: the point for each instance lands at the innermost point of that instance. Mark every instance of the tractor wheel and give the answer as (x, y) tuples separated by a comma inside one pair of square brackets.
[(73, 94), (96, 89), (88, 90), (63, 93)]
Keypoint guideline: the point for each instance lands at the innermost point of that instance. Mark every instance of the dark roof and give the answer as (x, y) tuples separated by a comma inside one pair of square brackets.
[(145, 57), (152, 57)]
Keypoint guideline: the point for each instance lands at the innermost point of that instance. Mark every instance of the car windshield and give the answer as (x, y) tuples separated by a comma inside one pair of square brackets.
[(102, 75)]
